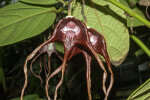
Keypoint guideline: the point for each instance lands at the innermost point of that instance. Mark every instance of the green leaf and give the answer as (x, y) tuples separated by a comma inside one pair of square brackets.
[(132, 2), (20, 21), (125, 2), (142, 93), (59, 47), (132, 21), (109, 20), (29, 97), (41, 2), (139, 52)]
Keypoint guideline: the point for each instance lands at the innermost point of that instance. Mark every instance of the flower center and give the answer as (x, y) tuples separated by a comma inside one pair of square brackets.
[(71, 29)]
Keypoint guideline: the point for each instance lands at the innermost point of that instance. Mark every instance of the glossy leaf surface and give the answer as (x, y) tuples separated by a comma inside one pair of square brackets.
[(20, 21)]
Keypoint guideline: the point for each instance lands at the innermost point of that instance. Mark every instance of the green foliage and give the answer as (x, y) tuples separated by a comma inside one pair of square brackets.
[(142, 93), (20, 21), (29, 97), (139, 52), (132, 3), (41, 2), (132, 21), (59, 47), (141, 44), (29, 18), (130, 12), (109, 21)]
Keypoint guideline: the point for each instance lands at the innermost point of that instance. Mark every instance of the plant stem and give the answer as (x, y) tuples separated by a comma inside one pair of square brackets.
[(141, 44), (131, 12), (58, 10), (69, 7)]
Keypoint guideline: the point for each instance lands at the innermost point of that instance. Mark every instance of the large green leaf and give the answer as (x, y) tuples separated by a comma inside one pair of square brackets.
[(20, 21), (142, 93), (41, 2), (109, 20), (29, 97)]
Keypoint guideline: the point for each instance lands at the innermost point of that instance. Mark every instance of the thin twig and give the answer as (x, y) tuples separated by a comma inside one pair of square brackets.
[(69, 7), (147, 12), (82, 12)]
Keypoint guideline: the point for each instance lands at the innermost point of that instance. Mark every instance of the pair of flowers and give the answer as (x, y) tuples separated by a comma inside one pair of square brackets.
[(76, 38)]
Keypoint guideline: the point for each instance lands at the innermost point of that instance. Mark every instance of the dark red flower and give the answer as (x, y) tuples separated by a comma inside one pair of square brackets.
[(76, 38)]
